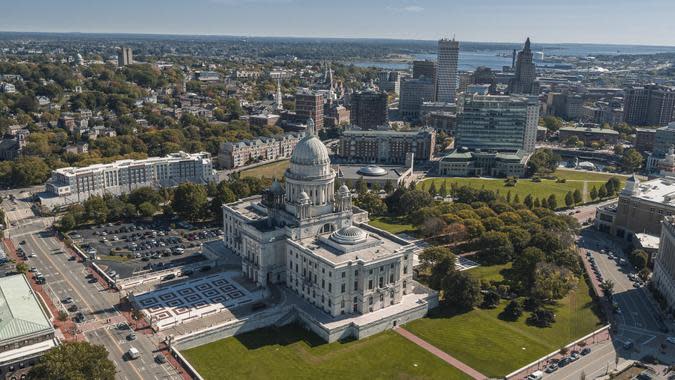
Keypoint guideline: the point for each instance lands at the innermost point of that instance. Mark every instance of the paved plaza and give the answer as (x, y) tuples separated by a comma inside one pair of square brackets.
[(193, 299)]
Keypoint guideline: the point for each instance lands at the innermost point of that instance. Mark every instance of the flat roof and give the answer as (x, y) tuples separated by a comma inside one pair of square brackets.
[(249, 208), (20, 311), (172, 157), (384, 249), (590, 129), (351, 171), (660, 190)]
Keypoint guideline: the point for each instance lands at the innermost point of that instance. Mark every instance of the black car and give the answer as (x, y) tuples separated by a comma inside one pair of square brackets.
[(585, 351), (160, 359), (79, 317)]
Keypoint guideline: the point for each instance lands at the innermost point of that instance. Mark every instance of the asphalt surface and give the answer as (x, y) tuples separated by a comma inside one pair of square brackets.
[(68, 279), (638, 322)]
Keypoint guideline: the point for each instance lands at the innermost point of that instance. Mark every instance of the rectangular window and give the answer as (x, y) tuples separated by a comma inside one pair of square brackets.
[(342, 288), (370, 284), (356, 285), (344, 274)]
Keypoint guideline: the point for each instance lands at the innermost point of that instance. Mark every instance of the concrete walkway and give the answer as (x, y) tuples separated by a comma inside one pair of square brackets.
[(440, 354)]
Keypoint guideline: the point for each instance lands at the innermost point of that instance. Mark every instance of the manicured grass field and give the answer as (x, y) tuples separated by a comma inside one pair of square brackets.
[(524, 187), (586, 176), (293, 353), (497, 347), (490, 273), (271, 170), (395, 225)]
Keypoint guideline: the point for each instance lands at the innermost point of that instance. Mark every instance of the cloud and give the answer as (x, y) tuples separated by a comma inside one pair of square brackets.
[(406, 9)]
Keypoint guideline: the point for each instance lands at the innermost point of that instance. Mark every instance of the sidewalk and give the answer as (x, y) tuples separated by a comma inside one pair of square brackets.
[(440, 354)]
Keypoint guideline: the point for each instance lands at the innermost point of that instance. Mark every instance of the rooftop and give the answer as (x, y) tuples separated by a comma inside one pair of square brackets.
[(661, 190), (386, 172), (590, 129), (128, 163), (20, 312), (373, 247)]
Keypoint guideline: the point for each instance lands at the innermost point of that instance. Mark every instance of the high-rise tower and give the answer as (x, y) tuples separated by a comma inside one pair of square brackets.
[(524, 81), (446, 70)]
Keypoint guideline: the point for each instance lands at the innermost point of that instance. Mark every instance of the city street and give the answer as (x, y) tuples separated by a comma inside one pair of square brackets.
[(637, 323), (67, 278)]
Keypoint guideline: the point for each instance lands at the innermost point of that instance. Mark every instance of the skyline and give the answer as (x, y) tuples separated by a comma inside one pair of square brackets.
[(620, 22)]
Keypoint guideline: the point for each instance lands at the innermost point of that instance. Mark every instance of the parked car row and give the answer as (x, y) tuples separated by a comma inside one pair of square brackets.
[(565, 360)]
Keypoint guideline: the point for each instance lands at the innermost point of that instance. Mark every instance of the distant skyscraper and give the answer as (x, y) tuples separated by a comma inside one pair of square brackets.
[(125, 56), (447, 80), (310, 105), (649, 105), (369, 109), (485, 75), (425, 69), (413, 93), (525, 73)]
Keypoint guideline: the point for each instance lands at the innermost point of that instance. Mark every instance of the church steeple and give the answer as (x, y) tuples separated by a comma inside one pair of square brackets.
[(278, 101), (527, 44)]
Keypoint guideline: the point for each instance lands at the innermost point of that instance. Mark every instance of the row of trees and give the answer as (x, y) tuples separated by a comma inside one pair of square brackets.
[(189, 201)]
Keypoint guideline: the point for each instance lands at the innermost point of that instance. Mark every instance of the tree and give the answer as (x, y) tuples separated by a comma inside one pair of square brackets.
[(542, 161), (512, 311), (474, 228), (74, 360), (552, 202), (594, 193), (607, 287), (147, 209), (522, 271), (414, 200), (490, 300), (96, 209), (67, 223), (577, 196), (528, 201), (443, 192), (602, 193), (552, 123), (439, 271), (433, 226), (432, 189), (639, 259), (361, 186), (495, 247), (145, 194), (536, 203), (541, 318), (461, 290), (189, 201), (631, 160), (431, 256), (516, 199), (552, 282), (388, 186), (22, 268), (372, 203), (569, 199)]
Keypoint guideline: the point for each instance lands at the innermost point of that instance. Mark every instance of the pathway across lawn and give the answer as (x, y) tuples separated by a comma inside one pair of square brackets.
[(497, 347), (291, 352)]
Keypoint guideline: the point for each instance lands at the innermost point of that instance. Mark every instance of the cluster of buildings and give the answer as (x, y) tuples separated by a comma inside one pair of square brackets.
[(76, 184), (233, 155), (352, 280)]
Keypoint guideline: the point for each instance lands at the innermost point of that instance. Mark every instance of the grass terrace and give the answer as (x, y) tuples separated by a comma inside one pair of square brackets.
[(271, 170), (291, 352), (393, 224), (496, 347)]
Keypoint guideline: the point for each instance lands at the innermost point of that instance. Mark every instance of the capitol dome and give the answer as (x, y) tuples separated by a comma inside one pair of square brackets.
[(372, 171), (310, 151), (349, 235)]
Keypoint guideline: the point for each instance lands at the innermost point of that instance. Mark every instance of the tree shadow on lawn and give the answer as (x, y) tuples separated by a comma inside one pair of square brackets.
[(282, 336)]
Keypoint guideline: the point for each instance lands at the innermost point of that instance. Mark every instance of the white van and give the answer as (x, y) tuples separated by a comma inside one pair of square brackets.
[(133, 353), (536, 375)]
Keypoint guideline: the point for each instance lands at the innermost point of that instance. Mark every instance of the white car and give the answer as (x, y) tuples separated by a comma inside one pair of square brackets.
[(670, 339)]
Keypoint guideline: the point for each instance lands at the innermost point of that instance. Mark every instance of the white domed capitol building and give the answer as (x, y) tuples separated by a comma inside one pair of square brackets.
[(344, 277)]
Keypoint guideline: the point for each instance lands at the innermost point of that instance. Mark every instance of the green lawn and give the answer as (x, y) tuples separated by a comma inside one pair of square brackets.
[(395, 225), (524, 187), (490, 273), (496, 347), (271, 170), (586, 176), (292, 353)]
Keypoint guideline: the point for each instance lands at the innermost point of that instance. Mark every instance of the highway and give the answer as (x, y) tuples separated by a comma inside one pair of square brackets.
[(68, 279)]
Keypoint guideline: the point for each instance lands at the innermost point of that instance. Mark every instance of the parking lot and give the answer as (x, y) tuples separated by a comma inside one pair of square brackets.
[(128, 248)]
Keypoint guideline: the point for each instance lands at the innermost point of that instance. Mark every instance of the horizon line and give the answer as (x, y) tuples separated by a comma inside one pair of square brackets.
[(323, 38)]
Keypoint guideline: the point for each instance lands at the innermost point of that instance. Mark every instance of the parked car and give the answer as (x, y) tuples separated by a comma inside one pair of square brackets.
[(131, 336), (670, 339), (551, 368), (536, 375), (68, 300), (574, 356), (160, 359), (586, 351)]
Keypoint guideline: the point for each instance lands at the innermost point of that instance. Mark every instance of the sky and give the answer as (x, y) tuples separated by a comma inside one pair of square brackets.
[(643, 22)]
